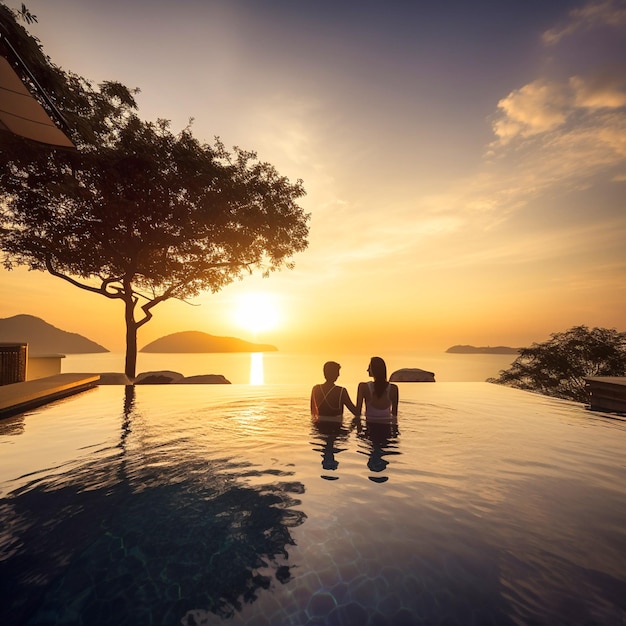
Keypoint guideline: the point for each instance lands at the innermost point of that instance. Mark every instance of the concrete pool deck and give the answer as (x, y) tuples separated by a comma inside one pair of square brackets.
[(18, 397)]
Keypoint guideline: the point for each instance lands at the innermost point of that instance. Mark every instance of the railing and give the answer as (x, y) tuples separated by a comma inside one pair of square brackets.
[(607, 393), (13, 362)]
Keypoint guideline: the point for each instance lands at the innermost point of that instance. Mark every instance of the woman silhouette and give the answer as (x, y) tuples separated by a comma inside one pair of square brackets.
[(380, 396)]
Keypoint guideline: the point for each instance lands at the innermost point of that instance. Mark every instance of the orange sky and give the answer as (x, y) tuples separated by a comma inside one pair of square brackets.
[(465, 165)]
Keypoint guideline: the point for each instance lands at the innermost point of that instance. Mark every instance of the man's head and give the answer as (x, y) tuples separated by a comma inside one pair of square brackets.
[(331, 371)]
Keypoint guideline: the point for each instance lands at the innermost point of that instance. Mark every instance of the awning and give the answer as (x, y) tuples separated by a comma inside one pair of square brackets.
[(20, 113)]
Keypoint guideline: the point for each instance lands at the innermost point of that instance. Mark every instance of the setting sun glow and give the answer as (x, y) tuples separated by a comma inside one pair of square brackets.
[(256, 312)]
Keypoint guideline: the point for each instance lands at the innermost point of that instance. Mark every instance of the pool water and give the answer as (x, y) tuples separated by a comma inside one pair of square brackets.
[(227, 504)]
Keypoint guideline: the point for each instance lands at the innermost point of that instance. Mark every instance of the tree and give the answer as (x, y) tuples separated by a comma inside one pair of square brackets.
[(138, 213), (558, 367)]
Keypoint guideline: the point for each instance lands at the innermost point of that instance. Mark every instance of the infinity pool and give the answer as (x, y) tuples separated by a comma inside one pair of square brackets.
[(225, 504)]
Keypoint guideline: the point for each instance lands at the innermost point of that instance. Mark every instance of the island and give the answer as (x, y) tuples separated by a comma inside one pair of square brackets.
[(43, 338), (412, 375), (482, 350), (193, 341)]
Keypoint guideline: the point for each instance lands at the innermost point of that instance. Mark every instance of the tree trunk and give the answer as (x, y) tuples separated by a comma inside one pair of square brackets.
[(130, 366)]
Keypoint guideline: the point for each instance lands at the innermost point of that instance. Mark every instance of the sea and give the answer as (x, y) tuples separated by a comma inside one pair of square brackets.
[(284, 368)]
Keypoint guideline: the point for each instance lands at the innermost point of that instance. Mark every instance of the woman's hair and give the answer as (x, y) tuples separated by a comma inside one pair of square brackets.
[(378, 370)]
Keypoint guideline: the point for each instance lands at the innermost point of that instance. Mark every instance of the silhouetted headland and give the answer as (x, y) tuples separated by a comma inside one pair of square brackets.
[(482, 350), (196, 341), (43, 338)]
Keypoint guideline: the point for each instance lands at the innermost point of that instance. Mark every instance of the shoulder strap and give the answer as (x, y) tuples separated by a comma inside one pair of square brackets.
[(326, 394)]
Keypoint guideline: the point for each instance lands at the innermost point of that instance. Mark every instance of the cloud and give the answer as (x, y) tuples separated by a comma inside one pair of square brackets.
[(563, 134), (543, 105), (594, 14), (526, 248), (535, 108), (559, 134), (551, 136), (567, 158), (606, 89)]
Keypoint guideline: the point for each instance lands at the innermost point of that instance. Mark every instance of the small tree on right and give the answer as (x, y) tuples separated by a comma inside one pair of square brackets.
[(558, 367)]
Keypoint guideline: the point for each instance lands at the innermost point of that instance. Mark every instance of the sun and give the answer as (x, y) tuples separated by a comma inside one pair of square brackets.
[(257, 312)]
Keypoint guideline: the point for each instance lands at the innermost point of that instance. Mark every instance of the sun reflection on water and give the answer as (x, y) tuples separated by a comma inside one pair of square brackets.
[(256, 369)]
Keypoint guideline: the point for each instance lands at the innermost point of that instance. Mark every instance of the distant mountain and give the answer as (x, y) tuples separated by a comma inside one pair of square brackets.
[(482, 350), (43, 338), (195, 341)]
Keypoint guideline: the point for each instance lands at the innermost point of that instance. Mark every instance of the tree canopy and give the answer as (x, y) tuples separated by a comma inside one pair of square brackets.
[(140, 213), (558, 367)]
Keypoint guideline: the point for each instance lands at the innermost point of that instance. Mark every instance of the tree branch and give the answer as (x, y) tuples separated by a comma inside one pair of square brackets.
[(166, 295), (169, 292), (101, 290)]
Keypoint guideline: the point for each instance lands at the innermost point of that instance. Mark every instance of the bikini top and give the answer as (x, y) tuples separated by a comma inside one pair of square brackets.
[(370, 384), (376, 412)]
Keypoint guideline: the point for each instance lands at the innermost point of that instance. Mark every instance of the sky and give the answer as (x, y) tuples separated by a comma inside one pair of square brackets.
[(464, 162)]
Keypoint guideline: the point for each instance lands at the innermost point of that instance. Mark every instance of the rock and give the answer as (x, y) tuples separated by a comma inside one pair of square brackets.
[(114, 378), (164, 377), (204, 379), (412, 375)]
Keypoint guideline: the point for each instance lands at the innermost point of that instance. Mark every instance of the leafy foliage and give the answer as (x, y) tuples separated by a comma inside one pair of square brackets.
[(164, 211), (137, 212), (26, 15), (558, 367)]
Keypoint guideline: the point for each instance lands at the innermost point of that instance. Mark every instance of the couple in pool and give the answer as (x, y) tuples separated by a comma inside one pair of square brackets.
[(380, 396)]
